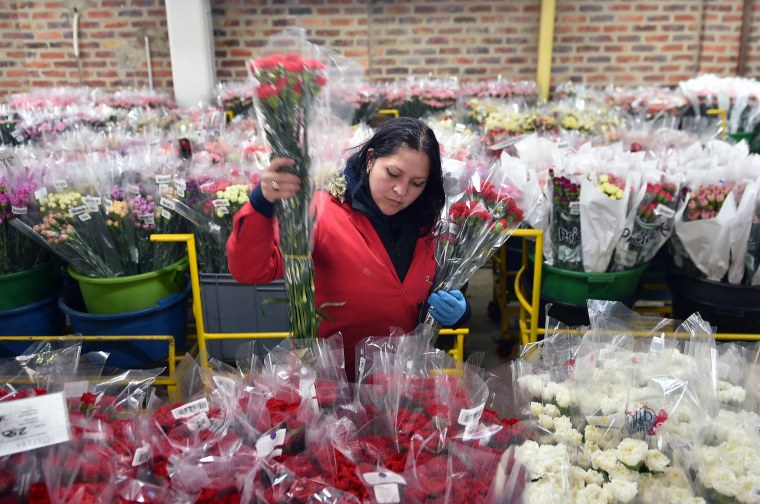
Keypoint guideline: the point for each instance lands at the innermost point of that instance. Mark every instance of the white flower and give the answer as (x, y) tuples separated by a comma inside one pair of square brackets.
[(591, 494), (674, 476), (551, 410), (747, 489), (656, 461), (544, 491), (722, 480), (631, 452), (622, 490), (621, 472), (577, 476), (562, 423), (536, 409), (594, 477), (565, 396), (550, 390), (533, 384), (570, 437), (593, 434), (604, 460), (546, 422)]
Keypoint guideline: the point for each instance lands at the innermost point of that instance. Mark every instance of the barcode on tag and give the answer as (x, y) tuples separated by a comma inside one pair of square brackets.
[(163, 179), (84, 217), (166, 214), (18, 210), (606, 354), (190, 409), (142, 455), (387, 494), (471, 416), (664, 211), (166, 203), (575, 208), (220, 203), (198, 422), (40, 193), (60, 184)]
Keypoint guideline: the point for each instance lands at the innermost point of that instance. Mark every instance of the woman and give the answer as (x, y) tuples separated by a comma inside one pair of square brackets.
[(373, 253)]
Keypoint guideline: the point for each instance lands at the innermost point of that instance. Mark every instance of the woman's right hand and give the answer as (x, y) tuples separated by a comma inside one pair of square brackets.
[(277, 184)]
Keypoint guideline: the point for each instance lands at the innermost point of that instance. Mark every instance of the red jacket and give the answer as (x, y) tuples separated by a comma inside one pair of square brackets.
[(351, 266)]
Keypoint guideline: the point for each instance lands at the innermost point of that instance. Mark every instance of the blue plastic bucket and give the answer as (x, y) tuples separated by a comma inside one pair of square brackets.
[(168, 316), (42, 318)]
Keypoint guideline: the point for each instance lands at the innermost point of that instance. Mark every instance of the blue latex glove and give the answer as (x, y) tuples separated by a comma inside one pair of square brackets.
[(447, 307)]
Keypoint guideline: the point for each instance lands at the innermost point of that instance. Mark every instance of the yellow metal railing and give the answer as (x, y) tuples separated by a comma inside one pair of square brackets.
[(169, 380), (202, 336)]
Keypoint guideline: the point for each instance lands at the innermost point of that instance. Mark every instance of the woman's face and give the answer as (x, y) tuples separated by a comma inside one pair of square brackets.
[(396, 181)]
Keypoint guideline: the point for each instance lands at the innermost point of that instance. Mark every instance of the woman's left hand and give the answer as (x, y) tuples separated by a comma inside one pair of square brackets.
[(447, 307)]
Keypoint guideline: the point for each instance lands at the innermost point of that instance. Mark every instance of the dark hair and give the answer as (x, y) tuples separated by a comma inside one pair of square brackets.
[(389, 138)]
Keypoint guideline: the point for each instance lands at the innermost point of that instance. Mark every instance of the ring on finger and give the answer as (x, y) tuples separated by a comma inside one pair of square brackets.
[(275, 185)]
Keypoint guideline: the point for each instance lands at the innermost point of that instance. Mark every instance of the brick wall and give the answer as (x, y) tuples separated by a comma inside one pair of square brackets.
[(36, 46), (628, 42)]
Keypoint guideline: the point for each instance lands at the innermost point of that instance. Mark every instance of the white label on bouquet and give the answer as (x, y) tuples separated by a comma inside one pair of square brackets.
[(387, 494), (269, 443), (223, 211), (148, 219), (133, 190), (27, 424), (92, 200), (214, 228), (134, 254), (218, 203), (163, 179), (166, 214), (60, 184), (78, 210), (226, 384), (84, 217), (664, 211), (190, 409), (180, 185), (40, 193), (167, 203), (198, 422), (308, 391), (563, 144), (76, 389), (459, 128), (163, 188), (384, 477), (181, 193), (107, 203), (453, 228), (18, 210), (142, 455), (9, 160), (575, 208), (469, 418)]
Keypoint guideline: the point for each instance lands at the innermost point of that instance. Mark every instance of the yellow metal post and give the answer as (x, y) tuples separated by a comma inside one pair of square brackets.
[(545, 46)]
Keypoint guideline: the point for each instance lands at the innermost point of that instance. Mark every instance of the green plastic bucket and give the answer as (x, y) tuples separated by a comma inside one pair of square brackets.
[(31, 285), (130, 293), (576, 287)]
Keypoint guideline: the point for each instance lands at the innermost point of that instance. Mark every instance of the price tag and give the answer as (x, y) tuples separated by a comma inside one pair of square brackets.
[(190, 409), (223, 211), (383, 477), (107, 203), (198, 422), (180, 193), (269, 444), (563, 145), (142, 455), (575, 208), (84, 217), (60, 184), (92, 200), (469, 418), (664, 211), (9, 160), (387, 494), (78, 210), (214, 228), (27, 424), (166, 214), (163, 188), (148, 219), (18, 210), (167, 203), (75, 389), (40, 193), (180, 185), (459, 128), (218, 203), (163, 179)]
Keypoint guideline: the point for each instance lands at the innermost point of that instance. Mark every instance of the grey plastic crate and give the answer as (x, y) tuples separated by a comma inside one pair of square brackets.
[(231, 307)]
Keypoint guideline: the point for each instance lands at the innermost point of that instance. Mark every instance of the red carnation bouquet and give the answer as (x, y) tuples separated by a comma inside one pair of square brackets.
[(473, 226)]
